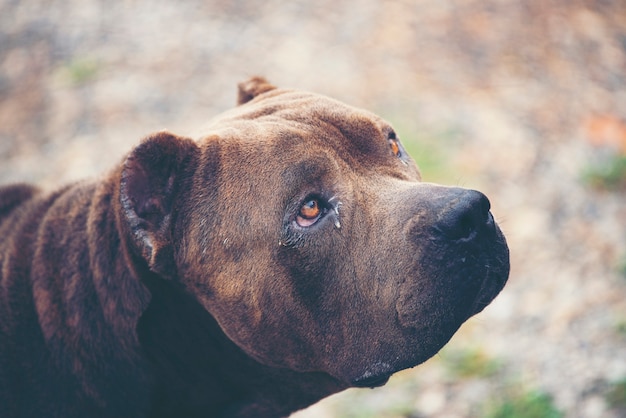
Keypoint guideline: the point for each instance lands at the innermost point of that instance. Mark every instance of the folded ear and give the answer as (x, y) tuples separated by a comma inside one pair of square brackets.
[(152, 178), (248, 90)]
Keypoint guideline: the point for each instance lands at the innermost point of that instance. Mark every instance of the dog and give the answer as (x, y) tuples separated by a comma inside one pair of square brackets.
[(289, 253)]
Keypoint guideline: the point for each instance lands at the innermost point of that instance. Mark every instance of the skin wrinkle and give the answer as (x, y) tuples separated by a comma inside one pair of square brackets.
[(180, 283), (329, 148)]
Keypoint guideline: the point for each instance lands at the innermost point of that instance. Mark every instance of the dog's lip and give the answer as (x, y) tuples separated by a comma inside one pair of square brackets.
[(371, 381), (490, 287), (376, 375)]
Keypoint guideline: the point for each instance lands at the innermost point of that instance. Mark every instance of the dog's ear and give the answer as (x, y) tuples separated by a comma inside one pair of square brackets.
[(248, 90), (151, 182)]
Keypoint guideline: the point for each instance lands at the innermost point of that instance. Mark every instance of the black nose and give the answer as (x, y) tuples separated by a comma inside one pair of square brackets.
[(464, 216)]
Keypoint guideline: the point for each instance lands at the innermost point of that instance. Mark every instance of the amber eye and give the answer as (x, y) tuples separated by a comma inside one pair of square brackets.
[(395, 147), (309, 213)]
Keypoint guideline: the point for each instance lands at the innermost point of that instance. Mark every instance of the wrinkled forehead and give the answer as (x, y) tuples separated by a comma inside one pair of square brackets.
[(282, 114), (301, 106)]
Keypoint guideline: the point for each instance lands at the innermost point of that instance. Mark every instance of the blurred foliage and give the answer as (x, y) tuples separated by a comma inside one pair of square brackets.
[(622, 267), (355, 409), (469, 363), (395, 400), (526, 404), (80, 71), (616, 396), (360, 404), (430, 159), (621, 327), (430, 148), (609, 175)]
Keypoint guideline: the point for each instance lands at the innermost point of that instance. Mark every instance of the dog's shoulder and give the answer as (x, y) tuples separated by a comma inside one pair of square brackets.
[(13, 196)]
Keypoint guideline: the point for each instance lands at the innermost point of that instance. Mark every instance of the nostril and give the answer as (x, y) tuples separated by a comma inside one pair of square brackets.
[(464, 216)]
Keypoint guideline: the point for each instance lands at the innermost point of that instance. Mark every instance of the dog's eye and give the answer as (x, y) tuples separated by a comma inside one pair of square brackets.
[(395, 147), (310, 212), (394, 144)]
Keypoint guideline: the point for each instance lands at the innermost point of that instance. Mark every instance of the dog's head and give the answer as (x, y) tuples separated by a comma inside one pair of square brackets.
[(302, 225)]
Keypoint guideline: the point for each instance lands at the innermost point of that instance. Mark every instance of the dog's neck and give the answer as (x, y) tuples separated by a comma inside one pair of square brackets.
[(141, 331), (199, 371)]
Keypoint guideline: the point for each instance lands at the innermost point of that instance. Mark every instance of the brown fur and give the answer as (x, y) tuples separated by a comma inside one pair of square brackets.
[(181, 285)]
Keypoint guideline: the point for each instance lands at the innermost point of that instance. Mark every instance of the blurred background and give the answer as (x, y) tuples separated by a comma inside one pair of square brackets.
[(524, 100)]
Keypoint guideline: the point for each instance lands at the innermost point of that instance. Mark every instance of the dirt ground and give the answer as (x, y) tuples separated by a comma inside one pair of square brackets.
[(524, 100)]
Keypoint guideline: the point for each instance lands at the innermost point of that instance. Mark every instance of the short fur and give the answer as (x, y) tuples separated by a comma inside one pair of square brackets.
[(183, 284)]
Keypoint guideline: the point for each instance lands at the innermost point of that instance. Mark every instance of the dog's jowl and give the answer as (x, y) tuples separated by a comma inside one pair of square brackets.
[(289, 253)]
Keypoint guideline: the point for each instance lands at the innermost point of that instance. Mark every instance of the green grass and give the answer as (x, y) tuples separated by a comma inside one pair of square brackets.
[(430, 159), (620, 327), (622, 268), (368, 411), (80, 71), (616, 396), (431, 149), (469, 363), (527, 404), (380, 403), (610, 175)]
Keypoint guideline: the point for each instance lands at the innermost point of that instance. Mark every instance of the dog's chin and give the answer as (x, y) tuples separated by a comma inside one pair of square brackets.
[(376, 375), (371, 381), (490, 288), (380, 373)]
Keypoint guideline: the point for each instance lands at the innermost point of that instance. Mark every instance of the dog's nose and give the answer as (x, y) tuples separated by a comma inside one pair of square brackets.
[(466, 215)]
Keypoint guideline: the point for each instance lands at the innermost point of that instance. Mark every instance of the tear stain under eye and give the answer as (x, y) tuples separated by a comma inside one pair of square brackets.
[(336, 210), (337, 223)]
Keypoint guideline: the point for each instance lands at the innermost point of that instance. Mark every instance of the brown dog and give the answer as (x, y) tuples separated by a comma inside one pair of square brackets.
[(290, 253)]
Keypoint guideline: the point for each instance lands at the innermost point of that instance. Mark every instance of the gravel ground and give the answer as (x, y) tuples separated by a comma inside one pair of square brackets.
[(519, 99)]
